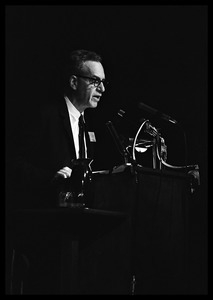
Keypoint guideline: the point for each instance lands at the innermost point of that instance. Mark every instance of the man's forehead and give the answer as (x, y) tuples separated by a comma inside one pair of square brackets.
[(93, 67)]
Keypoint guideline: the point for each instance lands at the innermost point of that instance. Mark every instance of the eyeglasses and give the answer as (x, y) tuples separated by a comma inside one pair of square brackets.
[(95, 81)]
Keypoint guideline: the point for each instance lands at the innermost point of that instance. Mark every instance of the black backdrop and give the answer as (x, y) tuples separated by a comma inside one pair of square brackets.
[(154, 54)]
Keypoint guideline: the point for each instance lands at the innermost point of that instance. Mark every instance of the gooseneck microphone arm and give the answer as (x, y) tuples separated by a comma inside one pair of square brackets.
[(165, 117)]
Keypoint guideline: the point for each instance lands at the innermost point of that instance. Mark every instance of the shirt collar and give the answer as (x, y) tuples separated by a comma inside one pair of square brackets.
[(72, 109)]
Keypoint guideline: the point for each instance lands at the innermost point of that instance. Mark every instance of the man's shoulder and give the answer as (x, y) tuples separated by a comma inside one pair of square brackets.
[(52, 107)]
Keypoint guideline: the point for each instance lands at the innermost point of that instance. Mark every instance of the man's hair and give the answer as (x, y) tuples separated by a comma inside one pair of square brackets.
[(77, 59), (75, 63)]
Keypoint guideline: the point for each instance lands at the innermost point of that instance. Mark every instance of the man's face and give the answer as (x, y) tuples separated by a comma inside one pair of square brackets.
[(87, 94)]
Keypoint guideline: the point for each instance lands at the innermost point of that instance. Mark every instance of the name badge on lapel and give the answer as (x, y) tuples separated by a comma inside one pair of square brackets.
[(92, 136)]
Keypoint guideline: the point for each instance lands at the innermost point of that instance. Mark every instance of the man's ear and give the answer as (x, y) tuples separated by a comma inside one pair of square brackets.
[(73, 82)]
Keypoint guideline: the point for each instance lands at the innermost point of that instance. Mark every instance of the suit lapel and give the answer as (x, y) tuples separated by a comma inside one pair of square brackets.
[(89, 150), (66, 121)]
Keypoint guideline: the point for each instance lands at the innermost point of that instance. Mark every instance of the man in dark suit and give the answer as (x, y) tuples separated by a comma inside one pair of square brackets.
[(55, 141), (49, 148)]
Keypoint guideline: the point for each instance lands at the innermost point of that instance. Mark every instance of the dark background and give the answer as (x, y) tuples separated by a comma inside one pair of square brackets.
[(156, 54)]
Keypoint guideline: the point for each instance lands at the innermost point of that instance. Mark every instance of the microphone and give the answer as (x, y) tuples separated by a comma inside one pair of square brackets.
[(156, 112), (117, 141), (115, 137)]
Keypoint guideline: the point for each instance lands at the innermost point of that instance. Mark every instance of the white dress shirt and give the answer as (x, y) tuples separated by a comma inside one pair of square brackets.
[(74, 115)]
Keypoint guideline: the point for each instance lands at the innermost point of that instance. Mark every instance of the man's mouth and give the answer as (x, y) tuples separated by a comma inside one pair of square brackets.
[(97, 98)]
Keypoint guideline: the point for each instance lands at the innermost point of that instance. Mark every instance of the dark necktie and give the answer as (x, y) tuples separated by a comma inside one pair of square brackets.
[(81, 137)]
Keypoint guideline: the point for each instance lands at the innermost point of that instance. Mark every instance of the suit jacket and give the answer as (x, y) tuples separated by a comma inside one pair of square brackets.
[(48, 147)]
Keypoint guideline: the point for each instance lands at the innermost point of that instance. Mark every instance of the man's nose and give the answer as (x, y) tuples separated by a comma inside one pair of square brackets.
[(101, 87)]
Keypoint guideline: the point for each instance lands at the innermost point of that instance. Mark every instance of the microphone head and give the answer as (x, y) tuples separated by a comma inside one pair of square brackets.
[(121, 113)]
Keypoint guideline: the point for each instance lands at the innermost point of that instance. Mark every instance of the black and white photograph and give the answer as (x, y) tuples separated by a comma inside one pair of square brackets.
[(106, 113)]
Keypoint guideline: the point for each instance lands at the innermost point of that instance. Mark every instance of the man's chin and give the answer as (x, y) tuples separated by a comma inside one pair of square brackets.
[(94, 104)]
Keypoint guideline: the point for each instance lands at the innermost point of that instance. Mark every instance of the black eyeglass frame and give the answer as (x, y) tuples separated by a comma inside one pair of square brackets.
[(95, 81)]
